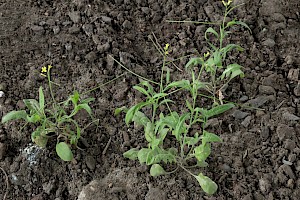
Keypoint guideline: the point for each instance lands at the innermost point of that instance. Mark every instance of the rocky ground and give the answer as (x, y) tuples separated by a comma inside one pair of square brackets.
[(259, 156)]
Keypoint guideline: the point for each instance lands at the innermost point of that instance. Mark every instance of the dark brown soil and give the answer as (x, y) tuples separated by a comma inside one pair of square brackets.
[(259, 158)]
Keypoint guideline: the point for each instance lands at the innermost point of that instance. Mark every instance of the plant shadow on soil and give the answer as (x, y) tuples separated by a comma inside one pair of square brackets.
[(259, 156)]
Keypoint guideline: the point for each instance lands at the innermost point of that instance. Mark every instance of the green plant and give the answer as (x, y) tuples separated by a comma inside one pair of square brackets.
[(53, 119), (188, 125)]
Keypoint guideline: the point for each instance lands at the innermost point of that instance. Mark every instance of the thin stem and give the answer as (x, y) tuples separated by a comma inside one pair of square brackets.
[(102, 85), (134, 73)]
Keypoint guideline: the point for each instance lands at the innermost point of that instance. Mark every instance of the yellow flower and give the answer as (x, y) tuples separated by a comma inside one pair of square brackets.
[(166, 48), (206, 54), (49, 67), (44, 69)]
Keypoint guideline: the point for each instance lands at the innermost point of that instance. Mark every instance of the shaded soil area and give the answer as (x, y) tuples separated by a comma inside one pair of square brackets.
[(259, 156)]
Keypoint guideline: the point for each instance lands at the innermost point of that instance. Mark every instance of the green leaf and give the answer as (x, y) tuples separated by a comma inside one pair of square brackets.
[(87, 100), (202, 151), (189, 105), (41, 141), (180, 127), (217, 110), (32, 105), (232, 71), (208, 186), (150, 88), (132, 154), (210, 137), (157, 155), (233, 22), (64, 152), (149, 132), (38, 137), (166, 101), (141, 90), (33, 118), (194, 62), (159, 95), (41, 99), (192, 140), (157, 170), (131, 112), (75, 97), (86, 107), (217, 58), (228, 48), (140, 119), (185, 84), (13, 115), (142, 155), (211, 30), (119, 110)]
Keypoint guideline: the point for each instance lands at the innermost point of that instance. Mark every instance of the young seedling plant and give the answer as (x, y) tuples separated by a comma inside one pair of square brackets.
[(194, 145), (53, 119)]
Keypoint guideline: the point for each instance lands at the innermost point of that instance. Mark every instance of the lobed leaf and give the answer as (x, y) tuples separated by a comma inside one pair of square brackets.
[(210, 137), (202, 151), (143, 154), (232, 71)]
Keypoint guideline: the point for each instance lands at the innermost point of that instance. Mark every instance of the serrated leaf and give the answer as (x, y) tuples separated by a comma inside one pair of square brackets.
[(208, 186), (13, 115), (210, 137), (64, 152), (202, 151), (192, 140), (156, 170), (132, 154), (232, 71)]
